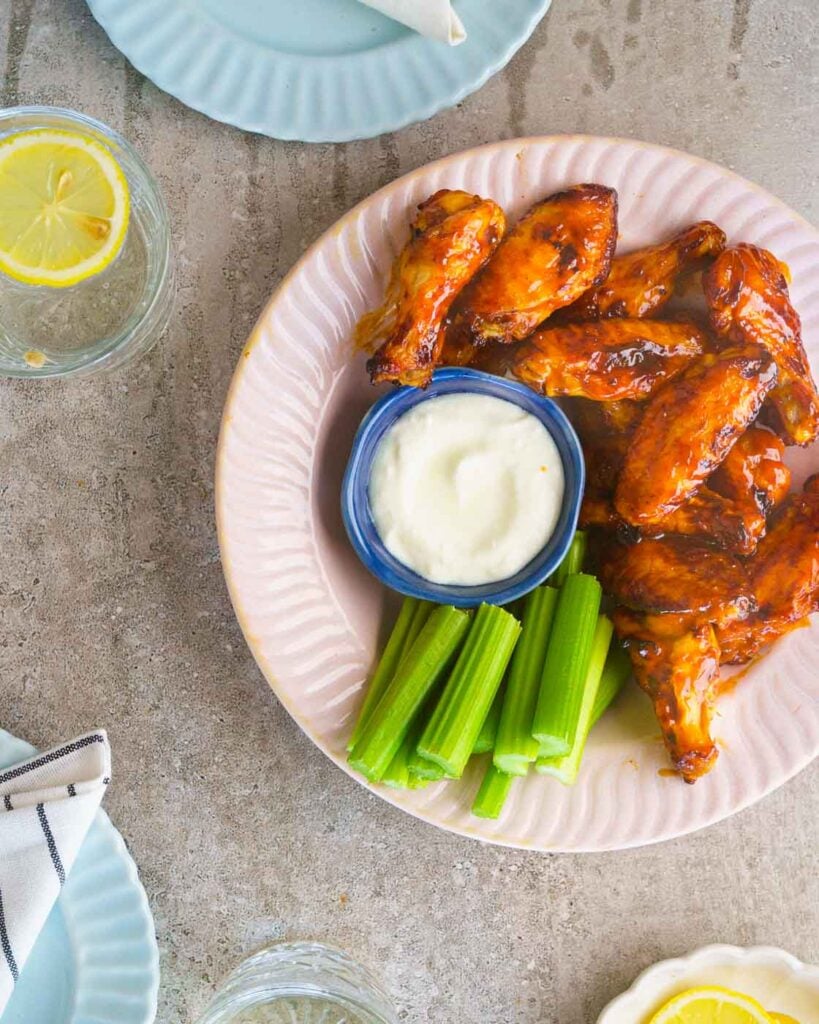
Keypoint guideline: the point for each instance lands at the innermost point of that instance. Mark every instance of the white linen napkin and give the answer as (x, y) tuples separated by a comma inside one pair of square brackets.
[(434, 18), (47, 805)]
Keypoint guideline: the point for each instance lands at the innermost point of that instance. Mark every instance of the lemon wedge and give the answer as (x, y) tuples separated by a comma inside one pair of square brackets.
[(64, 207), (782, 1018), (711, 1005)]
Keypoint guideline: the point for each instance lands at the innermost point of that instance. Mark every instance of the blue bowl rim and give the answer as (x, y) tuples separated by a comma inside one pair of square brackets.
[(381, 416)]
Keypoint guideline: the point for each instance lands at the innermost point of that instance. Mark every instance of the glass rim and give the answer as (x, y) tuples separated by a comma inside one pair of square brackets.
[(142, 329)]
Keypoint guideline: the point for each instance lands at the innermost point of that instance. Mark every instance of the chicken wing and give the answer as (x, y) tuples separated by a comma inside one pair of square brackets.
[(784, 576), (556, 252), (605, 430), (688, 428), (753, 474), (493, 357), (677, 668), (748, 298), (453, 235), (641, 282), (680, 575), (606, 360), (731, 509), (711, 516), (707, 515)]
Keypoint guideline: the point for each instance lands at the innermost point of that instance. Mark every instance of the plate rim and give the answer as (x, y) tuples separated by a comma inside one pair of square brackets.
[(294, 130), (329, 233), (107, 833)]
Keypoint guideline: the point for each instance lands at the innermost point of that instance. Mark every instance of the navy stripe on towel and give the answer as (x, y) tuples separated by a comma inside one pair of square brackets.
[(52, 846), (6, 945), (38, 762)]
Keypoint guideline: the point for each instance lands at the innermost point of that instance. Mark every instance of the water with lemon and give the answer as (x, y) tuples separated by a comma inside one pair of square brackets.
[(298, 1010), (300, 983), (42, 323), (73, 250)]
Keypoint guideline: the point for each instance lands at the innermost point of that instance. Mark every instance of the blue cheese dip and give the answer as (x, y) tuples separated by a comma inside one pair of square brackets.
[(466, 489)]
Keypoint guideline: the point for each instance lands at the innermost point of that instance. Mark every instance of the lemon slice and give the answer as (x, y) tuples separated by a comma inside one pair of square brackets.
[(64, 207), (711, 1005), (782, 1018)]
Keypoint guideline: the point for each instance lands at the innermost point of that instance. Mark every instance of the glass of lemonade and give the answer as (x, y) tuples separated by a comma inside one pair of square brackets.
[(300, 983), (106, 319)]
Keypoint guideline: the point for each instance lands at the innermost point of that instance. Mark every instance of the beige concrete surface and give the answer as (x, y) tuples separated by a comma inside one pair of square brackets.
[(113, 611)]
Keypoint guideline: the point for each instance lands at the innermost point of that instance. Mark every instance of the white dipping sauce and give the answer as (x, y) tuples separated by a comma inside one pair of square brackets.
[(466, 489)]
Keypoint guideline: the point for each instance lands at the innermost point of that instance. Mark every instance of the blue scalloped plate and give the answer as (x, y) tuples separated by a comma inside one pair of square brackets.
[(96, 961), (314, 70)]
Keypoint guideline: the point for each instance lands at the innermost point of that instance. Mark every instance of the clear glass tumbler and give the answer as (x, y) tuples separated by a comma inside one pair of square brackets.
[(109, 318), (300, 983)]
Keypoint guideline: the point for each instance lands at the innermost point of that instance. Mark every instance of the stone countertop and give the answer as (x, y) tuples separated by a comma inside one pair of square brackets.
[(111, 589)]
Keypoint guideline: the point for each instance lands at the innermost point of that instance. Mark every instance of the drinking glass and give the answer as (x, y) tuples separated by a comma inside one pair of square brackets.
[(300, 983), (113, 316)]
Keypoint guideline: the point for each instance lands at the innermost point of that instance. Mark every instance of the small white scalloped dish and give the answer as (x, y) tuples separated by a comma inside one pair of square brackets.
[(776, 979), (310, 611)]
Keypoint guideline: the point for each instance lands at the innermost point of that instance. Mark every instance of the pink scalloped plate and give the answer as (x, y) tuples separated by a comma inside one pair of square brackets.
[(312, 615)]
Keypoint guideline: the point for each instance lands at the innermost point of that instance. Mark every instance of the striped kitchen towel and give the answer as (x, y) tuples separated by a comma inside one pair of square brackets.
[(47, 805)]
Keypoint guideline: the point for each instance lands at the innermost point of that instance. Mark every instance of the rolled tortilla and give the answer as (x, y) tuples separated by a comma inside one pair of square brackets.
[(433, 18)]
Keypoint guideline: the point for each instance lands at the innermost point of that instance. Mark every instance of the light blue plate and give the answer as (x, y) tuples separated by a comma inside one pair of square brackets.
[(96, 961), (314, 70)]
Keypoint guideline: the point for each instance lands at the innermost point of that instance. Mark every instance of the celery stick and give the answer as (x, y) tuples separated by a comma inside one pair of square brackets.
[(573, 561), (492, 794), (421, 768), (615, 672), (489, 730), (418, 783), (450, 735), (406, 767), (407, 762), (515, 747), (564, 671), (420, 668), (423, 611), (397, 775), (566, 768), (410, 619)]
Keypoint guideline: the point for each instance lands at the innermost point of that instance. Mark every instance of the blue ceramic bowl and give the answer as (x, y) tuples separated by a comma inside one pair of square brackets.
[(355, 501)]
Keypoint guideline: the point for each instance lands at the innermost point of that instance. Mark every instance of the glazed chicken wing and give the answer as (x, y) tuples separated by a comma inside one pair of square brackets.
[(748, 298), (680, 575), (605, 430), (677, 668), (688, 428), (557, 251), (711, 516), (753, 474), (606, 360), (731, 509), (784, 576), (707, 515), (493, 357), (453, 235), (641, 282)]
